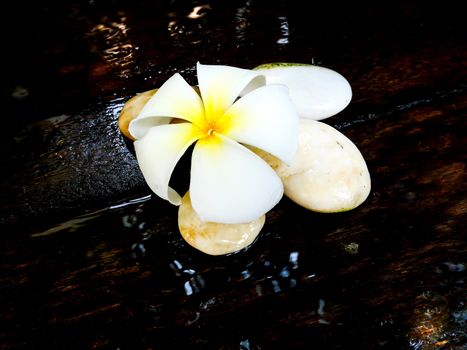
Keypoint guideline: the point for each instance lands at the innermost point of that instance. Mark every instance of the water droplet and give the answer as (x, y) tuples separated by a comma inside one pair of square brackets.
[(285, 273), (178, 265), (205, 305), (454, 267), (277, 288), (188, 289), (245, 345), (19, 93), (129, 221), (138, 250), (201, 281), (259, 290), (190, 322), (322, 303), (293, 259)]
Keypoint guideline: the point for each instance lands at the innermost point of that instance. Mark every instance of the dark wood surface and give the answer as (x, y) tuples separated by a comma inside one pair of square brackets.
[(88, 260)]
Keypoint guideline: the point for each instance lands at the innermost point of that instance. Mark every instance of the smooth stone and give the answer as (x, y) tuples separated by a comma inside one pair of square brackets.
[(131, 110), (328, 172), (215, 238), (317, 92)]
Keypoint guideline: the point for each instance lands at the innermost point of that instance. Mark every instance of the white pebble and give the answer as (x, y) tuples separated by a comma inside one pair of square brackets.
[(317, 92), (328, 172)]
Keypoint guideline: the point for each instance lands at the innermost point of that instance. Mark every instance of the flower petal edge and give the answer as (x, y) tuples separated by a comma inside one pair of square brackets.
[(159, 151)]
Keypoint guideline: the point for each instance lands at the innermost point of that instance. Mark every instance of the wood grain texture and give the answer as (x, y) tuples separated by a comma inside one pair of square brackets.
[(83, 266)]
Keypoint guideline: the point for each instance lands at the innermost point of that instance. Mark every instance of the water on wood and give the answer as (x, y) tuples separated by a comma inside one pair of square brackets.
[(89, 259)]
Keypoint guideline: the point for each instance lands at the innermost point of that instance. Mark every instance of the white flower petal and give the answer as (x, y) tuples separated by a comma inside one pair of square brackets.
[(230, 184), (265, 118), (175, 99), (221, 85), (159, 151)]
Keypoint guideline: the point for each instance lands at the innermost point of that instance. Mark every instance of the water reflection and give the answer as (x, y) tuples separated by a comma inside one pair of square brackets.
[(71, 225), (189, 32), (199, 11), (245, 345), (293, 259), (203, 283), (284, 27), (138, 250), (241, 20), (267, 277), (111, 41), (194, 285), (434, 324), (207, 304), (19, 92), (177, 270), (190, 322)]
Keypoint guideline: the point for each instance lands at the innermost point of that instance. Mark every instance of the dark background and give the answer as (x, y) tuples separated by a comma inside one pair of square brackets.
[(87, 260)]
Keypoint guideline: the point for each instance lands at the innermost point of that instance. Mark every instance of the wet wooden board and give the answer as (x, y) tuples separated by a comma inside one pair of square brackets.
[(84, 266)]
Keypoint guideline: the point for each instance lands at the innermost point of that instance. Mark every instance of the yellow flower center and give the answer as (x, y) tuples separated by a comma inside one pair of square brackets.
[(212, 120), (211, 126)]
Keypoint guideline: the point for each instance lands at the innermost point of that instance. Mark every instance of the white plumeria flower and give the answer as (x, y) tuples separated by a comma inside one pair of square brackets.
[(229, 183)]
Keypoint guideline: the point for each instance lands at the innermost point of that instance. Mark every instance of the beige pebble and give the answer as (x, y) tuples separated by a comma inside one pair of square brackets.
[(328, 172), (215, 238), (131, 110)]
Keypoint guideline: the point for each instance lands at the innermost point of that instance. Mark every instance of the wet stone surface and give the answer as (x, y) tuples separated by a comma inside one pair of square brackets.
[(88, 259)]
